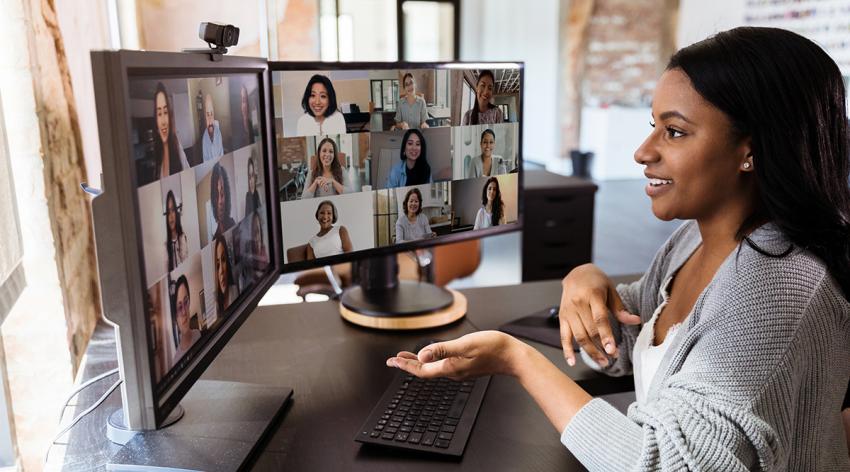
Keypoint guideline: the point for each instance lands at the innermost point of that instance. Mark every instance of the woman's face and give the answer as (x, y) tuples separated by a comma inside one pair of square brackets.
[(220, 202), (491, 191), (182, 308), (252, 178), (221, 267), (413, 147), (326, 217), (484, 91), (162, 124), (409, 86), (488, 143), (171, 216), (318, 101), (692, 158), (412, 204), (326, 155)]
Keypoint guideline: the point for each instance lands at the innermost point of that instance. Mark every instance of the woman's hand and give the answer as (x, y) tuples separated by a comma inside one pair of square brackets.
[(473, 355), (587, 296)]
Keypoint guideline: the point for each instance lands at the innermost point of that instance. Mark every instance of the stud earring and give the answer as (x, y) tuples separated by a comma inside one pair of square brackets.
[(746, 165)]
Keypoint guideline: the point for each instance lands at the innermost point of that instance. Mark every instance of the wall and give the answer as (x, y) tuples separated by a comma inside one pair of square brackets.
[(507, 30), (699, 19)]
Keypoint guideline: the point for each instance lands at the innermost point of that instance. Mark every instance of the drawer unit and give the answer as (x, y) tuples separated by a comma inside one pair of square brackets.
[(557, 230)]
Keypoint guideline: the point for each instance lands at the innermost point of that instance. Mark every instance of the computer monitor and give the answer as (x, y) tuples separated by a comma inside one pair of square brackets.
[(186, 227), (373, 159)]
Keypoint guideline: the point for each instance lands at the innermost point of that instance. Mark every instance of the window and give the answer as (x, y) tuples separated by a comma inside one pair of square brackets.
[(11, 251)]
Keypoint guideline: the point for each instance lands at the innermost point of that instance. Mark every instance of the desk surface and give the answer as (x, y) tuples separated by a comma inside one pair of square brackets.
[(337, 371)]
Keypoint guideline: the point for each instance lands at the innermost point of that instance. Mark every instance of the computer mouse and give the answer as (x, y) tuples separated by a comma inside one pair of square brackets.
[(552, 315)]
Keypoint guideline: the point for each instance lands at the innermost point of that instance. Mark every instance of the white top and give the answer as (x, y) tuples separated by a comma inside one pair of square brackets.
[(328, 245), (646, 358), (212, 147), (308, 126)]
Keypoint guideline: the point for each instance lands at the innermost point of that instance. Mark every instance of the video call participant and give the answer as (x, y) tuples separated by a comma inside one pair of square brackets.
[(413, 168), (321, 113), (226, 290), (487, 164), (412, 224), (220, 196), (211, 142), (176, 245), (492, 211), (745, 306), (252, 197), (243, 132), (168, 154), (257, 255), (251, 259), (184, 336), (326, 176), (483, 112), (412, 112), (330, 240)]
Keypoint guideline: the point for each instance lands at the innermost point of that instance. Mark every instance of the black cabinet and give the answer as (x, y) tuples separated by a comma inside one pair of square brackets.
[(557, 230)]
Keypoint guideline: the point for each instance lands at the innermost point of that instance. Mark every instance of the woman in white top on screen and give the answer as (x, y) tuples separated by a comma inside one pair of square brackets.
[(184, 335), (412, 111), (412, 224), (487, 164), (321, 113), (483, 112), (177, 245), (170, 158), (326, 177), (492, 211), (226, 290), (330, 240)]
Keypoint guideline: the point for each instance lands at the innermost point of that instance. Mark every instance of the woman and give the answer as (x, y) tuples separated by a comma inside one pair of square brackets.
[(737, 334), (225, 285), (330, 240), (487, 164), (220, 196), (184, 335), (492, 211), (412, 112), (168, 154), (321, 114), (412, 224), (243, 131), (176, 245), (252, 197), (326, 177), (483, 112), (259, 256), (413, 168)]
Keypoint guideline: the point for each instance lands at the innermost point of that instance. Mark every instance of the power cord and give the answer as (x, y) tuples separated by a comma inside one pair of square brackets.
[(80, 417), (83, 386)]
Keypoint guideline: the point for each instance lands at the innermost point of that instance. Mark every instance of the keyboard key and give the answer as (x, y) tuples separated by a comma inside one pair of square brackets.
[(457, 406), (379, 427), (375, 434), (435, 428), (415, 438), (390, 430), (402, 437), (448, 428), (428, 439), (451, 422), (405, 429), (394, 424), (389, 436), (446, 436), (442, 443)]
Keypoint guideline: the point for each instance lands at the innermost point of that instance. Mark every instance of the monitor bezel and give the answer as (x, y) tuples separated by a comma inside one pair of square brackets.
[(120, 68), (279, 66)]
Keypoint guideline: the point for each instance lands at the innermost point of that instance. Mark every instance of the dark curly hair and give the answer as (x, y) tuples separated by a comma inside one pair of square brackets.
[(175, 331), (498, 205), (178, 228), (219, 173), (219, 295)]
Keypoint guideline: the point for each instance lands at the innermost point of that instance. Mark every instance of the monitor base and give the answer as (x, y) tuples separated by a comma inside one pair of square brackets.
[(223, 428), (365, 311)]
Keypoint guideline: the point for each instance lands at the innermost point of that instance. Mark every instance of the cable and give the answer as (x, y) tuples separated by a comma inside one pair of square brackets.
[(81, 387), (332, 279), (80, 417)]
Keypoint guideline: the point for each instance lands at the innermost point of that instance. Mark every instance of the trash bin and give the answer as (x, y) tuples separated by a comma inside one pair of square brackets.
[(581, 163)]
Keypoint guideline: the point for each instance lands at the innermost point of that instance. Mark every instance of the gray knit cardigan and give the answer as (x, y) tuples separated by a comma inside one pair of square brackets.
[(754, 379)]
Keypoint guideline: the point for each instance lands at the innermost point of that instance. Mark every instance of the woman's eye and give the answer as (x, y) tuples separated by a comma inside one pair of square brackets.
[(674, 133)]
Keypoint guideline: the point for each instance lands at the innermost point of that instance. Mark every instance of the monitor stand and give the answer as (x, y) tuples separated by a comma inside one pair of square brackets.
[(223, 427), (382, 301)]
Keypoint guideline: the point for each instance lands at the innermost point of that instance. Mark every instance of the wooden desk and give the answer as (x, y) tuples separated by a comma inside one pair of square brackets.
[(338, 373)]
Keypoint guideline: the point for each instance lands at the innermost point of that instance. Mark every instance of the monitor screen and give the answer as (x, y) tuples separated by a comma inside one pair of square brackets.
[(377, 158), (200, 186)]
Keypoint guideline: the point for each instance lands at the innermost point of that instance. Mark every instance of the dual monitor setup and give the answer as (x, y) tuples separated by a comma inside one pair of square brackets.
[(221, 175)]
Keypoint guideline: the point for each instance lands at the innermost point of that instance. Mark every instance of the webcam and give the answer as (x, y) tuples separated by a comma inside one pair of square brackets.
[(222, 36)]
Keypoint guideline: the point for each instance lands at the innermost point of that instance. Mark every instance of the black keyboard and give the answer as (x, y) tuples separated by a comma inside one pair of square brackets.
[(432, 415)]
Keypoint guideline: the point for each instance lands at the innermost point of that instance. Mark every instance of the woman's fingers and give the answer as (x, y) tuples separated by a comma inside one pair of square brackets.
[(599, 313), (566, 336), (586, 335)]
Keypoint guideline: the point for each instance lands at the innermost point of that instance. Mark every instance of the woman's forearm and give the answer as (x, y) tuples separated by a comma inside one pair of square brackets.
[(558, 396)]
